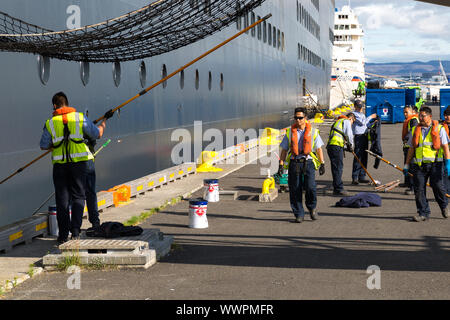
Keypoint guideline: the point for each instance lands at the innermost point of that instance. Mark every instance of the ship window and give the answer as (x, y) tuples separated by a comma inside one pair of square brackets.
[(116, 73), (84, 72), (210, 81), (163, 75), (264, 32), (282, 42), (238, 17), (221, 82), (274, 39), (182, 79), (142, 74), (197, 79), (270, 35), (279, 39), (298, 51), (246, 21), (43, 69), (259, 29), (253, 21), (347, 27)]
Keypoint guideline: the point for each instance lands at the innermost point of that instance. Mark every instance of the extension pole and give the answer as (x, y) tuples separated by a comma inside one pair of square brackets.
[(100, 149), (396, 166), (362, 166), (155, 85)]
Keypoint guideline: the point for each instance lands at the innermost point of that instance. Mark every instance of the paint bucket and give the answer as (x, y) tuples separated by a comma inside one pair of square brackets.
[(211, 190), (197, 214)]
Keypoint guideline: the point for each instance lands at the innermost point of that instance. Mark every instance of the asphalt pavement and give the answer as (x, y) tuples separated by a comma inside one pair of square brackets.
[(253, 250)]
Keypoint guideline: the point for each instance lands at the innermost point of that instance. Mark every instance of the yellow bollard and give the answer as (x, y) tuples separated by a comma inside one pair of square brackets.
[(268, 185), (269, 137), (207, 158)]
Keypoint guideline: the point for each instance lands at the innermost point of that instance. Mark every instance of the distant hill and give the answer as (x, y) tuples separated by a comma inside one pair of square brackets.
[(416, 68)]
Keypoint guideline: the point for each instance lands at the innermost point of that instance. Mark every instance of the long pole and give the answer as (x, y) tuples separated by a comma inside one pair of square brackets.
[(153, 86), (396, 167)]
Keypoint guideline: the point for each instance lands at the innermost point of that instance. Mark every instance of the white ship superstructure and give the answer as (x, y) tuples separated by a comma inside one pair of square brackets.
[(348, 57)]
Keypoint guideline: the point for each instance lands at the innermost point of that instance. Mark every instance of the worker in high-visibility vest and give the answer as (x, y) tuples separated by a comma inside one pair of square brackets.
[(302, 146), (64, 135), (446, 124), (427, 155), (411, 121), (335, 150)]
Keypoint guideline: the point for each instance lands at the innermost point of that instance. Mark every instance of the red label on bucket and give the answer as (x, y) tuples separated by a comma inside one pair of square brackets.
[(200, 212)]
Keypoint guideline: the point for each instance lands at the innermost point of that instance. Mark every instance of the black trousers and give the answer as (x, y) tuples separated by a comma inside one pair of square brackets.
[(69, 180), (361, 145)]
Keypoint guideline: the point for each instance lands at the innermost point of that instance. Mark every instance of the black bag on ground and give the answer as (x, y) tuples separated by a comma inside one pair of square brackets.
[(113, 230)]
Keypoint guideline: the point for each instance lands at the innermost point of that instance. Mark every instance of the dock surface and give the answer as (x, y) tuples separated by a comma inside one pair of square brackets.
[(252, 250)]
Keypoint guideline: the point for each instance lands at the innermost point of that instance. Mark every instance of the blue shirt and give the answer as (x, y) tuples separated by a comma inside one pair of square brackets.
[(360, 124), (318, 143), (89, 129)]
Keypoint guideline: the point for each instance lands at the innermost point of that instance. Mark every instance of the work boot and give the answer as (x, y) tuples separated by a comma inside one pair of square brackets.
[(75, 234), (444, 213), (340, 193), (403, 185), (61, 240), (409, 192), (419, 218), (363, 181), (355, 182), (314, 215), (298, 220)]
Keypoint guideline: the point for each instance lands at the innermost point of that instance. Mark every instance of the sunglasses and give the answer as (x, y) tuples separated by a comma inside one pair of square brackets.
[(299, 118)]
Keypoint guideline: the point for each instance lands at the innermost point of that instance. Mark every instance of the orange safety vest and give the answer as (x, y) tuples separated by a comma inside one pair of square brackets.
[(307, 140)]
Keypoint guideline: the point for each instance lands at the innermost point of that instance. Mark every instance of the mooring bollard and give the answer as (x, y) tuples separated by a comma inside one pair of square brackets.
[(197, 214)]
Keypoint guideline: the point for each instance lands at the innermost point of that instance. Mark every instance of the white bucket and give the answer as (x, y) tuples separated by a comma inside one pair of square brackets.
[(197, 214), (211, 190)]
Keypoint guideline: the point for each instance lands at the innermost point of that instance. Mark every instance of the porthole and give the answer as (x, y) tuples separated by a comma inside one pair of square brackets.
[(259, 29), (182, 79), (210, 81), (142, 74), (117, 73), (253, 32), (43, 64), (197, 79), (264, 32), (163, 75), (84, 72), (221, 82)]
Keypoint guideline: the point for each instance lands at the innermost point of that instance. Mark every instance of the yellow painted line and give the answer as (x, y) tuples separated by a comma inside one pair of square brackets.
[(162, 179), (190, 169), (101, 203), (41, 226), (151, 183), (16, 236), (181, 172), (172, 175), (139, 188)]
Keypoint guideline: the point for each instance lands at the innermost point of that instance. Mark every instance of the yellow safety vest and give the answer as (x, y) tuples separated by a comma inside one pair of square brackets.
[(72, 149), (314, 157), (336, 139), (424, 152)]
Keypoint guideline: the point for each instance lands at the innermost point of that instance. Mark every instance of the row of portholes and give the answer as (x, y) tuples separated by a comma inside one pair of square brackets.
[(44, 74)]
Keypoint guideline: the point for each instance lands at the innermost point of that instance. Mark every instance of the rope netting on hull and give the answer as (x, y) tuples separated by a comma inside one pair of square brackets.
[(160, 27)]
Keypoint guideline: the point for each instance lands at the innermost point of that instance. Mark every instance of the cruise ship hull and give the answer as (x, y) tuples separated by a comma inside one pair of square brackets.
[(253, 85)]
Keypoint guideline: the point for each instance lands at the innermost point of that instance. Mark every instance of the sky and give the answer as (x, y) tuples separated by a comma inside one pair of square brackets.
[(402, 30)]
